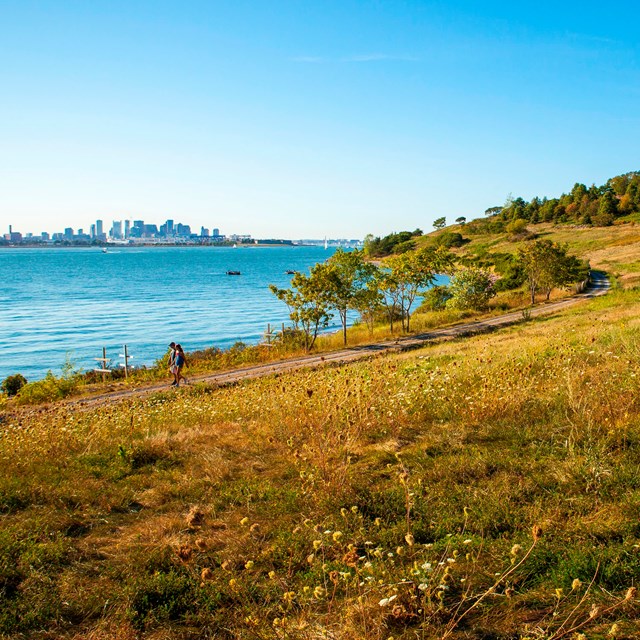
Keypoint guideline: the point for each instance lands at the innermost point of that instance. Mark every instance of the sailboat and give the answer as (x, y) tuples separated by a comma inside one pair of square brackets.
[(326, 244)]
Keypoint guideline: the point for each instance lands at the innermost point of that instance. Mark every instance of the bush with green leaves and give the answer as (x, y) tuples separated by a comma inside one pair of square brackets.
[(471, 288), (12, 384)]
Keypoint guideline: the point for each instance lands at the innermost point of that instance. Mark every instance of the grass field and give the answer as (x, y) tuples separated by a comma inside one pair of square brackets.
[(485, 488)]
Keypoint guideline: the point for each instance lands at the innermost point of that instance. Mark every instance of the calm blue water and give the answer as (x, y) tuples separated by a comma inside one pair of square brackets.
[(59, 302)]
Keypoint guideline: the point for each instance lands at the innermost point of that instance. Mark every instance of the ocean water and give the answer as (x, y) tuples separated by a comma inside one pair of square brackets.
[(59, 303)]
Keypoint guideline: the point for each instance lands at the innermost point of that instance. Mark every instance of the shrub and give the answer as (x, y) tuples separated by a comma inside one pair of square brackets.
[(472, 288), (435, 299), (12, 384), (48, 389)]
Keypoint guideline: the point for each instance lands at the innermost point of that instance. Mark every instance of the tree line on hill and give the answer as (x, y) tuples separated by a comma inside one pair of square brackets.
[(349, 281), (599, 206)]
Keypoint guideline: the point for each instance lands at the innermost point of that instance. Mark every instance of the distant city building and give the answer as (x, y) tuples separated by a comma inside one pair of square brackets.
[(45, 236), (216, 233), (68, 233), (116, 230), (92, 231), (127, 229), (99, 229), (204, 232)]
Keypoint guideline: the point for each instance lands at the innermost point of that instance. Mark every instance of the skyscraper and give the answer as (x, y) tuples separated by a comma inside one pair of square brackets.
[(127, 229)]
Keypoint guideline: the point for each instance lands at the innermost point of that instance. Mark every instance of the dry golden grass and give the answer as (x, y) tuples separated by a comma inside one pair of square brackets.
[(389, 498)]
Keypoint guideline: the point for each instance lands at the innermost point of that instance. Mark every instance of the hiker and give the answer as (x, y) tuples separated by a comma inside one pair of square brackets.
[(179, 362), (172, 363)]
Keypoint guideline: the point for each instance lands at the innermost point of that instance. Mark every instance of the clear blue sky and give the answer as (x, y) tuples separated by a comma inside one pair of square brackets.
[(308, 119)]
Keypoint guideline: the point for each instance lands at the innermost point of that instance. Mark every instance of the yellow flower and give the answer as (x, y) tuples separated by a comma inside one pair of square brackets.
[(317, 544), (409, 539), (244, 522), (377, 522), (289, 596), (319, 592), (337, 535), (576, 584), (343, 512), (272, 575), (249, 564)]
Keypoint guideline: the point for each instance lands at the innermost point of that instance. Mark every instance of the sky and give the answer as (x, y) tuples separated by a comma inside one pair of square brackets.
[(299, 119)]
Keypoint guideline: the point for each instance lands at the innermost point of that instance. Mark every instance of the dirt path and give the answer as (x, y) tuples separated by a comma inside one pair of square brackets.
[(598, 286)]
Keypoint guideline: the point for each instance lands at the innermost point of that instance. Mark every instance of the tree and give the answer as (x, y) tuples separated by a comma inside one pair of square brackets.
[(471, 288), (413, 272), (390, 294), (307, 302), (344, 277), (547, 265), (461, 220), (606, 210), (440, 223)]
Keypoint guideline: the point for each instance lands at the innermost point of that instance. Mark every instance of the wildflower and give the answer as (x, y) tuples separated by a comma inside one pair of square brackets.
[(595, 610), (344, 512), (409, 539), (400, 551), (306, 589), (337, 535), (319, 592), (244, 522), (632, 592), (385, 601), (310, 558), (276, 622), (226, 565), (255, 528), (576, 584), (317, 544), (289, 596), (272, 575), (233, 583), (614, 631), (307, 523), (536, 531), (354, 509), (377, 522), (249, 564), (516, 549)]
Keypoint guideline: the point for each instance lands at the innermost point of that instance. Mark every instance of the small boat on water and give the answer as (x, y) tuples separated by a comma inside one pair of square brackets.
[(233, 273), (290, 272)]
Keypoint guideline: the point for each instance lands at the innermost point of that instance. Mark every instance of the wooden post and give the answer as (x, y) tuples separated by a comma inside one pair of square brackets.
[(103, 368), (126, 362)]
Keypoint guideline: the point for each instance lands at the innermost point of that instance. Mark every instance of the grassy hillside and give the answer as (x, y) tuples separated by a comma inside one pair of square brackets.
[(484, 488), (612, 249)]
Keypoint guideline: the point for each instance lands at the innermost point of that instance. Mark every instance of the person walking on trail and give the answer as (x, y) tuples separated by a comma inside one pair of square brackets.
[(179, 363), (173, 370)]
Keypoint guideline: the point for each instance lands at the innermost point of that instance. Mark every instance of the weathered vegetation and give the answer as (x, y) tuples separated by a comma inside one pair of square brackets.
[(484, 488)]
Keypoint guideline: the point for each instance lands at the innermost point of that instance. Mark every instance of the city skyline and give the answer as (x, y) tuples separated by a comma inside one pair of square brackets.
[(305, 120)]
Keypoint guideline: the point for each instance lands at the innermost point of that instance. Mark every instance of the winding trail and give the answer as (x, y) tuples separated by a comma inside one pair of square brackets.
[(598, 285)]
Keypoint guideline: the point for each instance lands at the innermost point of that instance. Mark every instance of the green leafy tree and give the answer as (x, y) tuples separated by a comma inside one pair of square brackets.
[(547, 265), (440, 223), (461, 220), (414, 272), (307, 302), (471, 288), (390, 295), (344, 278)]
